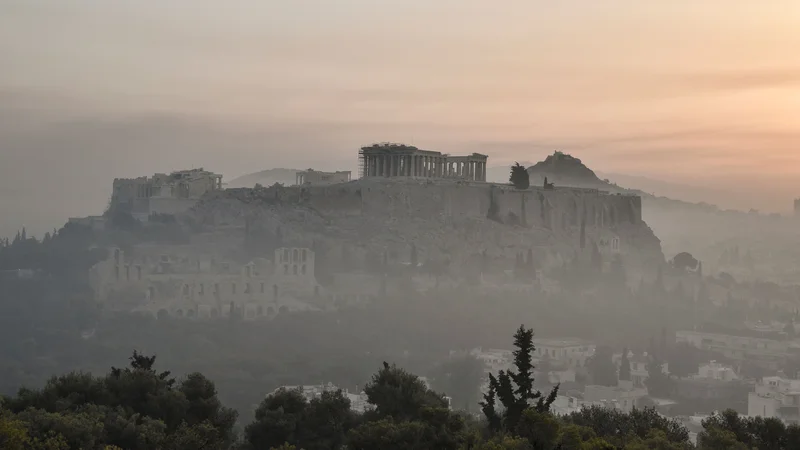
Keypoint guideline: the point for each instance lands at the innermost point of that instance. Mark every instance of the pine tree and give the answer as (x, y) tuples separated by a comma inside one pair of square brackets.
[(519, 176), (515, 388), (488, 406), (625, 366)]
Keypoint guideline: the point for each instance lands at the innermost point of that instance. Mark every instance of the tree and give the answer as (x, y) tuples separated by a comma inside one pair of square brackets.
[(515, 389), (519, 177), (13, 435), (658, 383), (277, 420), (460, 378), (684, 261), (620, 428), (326, 421), (625, 366), (601, 367), (133, 408), (400, 394), (684, 360)]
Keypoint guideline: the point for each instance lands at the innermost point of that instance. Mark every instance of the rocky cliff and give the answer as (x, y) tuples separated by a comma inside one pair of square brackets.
[(441, 220)]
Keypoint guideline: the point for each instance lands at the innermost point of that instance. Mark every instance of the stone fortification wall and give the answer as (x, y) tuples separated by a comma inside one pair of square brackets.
[(558, 209), (444, 220)]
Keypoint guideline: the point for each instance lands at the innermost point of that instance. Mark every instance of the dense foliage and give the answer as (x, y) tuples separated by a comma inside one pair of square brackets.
[(139, 407)]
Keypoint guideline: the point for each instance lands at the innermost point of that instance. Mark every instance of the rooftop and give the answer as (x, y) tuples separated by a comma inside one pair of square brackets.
[(560, 342)]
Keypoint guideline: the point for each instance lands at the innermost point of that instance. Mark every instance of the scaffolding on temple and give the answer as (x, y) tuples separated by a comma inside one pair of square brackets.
[(362, 161)]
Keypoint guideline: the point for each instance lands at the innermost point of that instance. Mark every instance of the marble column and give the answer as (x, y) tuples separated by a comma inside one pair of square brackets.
[(483, 176)]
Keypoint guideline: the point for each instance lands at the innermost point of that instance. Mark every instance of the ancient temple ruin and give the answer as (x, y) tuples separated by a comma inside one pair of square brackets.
[(395, 160)]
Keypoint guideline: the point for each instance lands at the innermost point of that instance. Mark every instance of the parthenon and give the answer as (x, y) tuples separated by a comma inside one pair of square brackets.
[(396, 160)]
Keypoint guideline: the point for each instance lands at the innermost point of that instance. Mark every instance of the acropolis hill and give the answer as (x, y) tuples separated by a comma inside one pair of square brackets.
[(440, 206)]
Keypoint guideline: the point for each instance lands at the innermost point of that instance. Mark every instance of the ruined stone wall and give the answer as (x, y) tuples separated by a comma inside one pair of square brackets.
[(557, 210)]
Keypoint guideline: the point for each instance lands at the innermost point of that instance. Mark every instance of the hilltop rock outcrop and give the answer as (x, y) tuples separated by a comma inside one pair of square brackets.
[(444, 220)]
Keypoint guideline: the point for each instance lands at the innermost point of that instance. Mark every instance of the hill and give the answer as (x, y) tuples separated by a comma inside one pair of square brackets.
[(565, 170), (703, 229)]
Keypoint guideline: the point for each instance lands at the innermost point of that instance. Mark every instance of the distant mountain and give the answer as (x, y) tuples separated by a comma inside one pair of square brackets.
[(685, 192), (265, 178)]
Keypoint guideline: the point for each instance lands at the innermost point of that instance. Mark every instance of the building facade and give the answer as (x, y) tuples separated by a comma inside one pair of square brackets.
[(776, 397), (624, 397), (207, 289), (392, 160), (566, 352), (764, 352), (162, 193)]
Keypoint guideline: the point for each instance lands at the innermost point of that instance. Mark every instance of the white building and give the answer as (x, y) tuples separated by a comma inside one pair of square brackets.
[(638, 366), (569, 352), (716, 371), (776, 397), (564, 405), (767, 353), (623, 397), (358, 402), (494, 359)]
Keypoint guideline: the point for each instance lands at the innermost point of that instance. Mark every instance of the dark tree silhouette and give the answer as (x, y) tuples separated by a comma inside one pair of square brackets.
[(515, 389), (684, 261), (625, 366), (519, 177)]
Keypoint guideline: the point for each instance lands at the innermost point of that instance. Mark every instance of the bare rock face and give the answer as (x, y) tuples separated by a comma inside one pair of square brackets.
[(447, 222)]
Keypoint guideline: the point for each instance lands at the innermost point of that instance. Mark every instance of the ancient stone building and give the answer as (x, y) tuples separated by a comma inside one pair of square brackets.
[(162, 193), (392, 160), (316, 177), (181, 286)]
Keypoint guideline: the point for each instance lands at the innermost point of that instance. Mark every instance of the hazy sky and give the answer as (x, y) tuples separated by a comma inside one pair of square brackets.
[(702, 91)]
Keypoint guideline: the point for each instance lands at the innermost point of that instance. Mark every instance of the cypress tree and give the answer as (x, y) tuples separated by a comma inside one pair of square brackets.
[(514, 388), (625, 366)]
